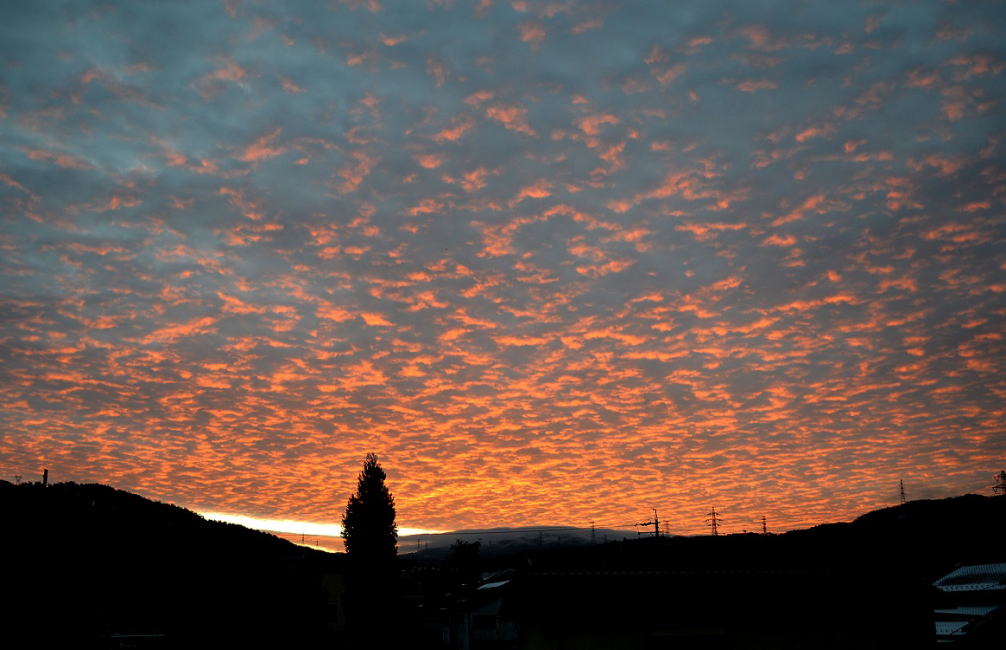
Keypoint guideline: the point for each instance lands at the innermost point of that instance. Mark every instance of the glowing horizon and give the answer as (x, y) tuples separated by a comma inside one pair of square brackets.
[(298, 527), (551, 261)]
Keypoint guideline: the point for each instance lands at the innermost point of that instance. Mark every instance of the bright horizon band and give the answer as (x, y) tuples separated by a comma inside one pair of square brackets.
[(297, 527)]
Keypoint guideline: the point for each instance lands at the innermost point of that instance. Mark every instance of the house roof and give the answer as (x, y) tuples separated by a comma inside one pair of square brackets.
[(975, 577)]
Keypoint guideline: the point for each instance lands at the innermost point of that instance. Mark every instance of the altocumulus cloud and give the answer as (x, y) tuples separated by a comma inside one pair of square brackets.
[(553, 261)]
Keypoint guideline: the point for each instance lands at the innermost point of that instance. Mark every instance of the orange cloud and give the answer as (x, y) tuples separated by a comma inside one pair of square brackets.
[(532, 33), (262, 149), (429, 161), (459, 127), (513, 118), (61, 159), (540, 189), (591, 125), (375, 319), (754, 85), (171, 333)]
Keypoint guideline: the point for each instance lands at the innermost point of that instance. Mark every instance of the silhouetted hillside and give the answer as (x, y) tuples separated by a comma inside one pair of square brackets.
[(862, 584), (87, 564), (104, 563), (923, 538)]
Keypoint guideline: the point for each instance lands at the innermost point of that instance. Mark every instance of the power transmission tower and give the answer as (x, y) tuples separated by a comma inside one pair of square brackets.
[(714, 521), (901, 487), (1000, 484), (17, 479), (764, 526)]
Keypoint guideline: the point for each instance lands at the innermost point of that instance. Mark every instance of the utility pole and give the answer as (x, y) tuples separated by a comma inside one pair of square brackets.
[(655, 523), (764, 526), (714, 521), (1000, 485), (901, 487), (593, 533)]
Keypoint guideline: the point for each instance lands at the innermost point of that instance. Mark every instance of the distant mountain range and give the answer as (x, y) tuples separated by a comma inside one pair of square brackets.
[(504, 540)]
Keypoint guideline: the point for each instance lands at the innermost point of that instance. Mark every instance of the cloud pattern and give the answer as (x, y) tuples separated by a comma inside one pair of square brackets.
[(555, 261)]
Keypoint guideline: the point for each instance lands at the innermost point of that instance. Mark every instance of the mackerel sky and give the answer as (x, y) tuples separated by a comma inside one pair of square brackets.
[(553, 261)]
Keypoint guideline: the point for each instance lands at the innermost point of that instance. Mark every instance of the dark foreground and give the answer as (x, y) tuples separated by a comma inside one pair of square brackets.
[(88, 566)]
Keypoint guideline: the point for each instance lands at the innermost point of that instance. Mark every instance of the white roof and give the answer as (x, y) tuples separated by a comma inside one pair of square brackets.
[(967, 611), (948, 628), (975, 577)]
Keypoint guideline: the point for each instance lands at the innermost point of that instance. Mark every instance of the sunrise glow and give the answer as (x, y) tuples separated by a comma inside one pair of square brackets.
[(297, 527)]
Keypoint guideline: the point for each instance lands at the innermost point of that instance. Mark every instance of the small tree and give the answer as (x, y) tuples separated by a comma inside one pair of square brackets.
[(463, 561), (368, 527)]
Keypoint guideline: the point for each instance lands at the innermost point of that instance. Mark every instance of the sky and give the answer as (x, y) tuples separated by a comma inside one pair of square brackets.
[(554, 262)]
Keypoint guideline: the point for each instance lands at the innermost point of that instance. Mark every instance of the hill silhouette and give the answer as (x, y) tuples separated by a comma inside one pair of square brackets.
[(117, 570), (927, 538), (865, 583), (100, 567)]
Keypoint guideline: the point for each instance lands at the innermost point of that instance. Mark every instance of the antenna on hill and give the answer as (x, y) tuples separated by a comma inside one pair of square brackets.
[(901, 487), (764, 526), (999, 487), (714, 521)]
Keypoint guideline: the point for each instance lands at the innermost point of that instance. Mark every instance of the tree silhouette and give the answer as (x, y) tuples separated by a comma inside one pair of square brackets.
[(368, 527), (370, 535), (463, 561)]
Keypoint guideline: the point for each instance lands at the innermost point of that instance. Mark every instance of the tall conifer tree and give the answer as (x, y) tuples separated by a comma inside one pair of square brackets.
[(368, 527)]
